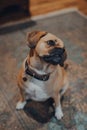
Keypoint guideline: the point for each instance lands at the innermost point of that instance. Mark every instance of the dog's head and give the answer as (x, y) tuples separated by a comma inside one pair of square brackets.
[(47, 46)]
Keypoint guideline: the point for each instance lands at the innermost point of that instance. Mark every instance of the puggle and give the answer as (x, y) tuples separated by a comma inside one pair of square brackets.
[(42, 74)]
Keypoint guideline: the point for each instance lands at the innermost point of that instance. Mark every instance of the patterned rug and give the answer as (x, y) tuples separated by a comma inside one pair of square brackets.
[(71, 27)]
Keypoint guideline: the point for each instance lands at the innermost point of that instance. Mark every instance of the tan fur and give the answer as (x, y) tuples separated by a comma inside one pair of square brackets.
[(58, 76)]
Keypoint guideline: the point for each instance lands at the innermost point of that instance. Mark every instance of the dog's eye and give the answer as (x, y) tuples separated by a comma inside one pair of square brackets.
[(51, 42)]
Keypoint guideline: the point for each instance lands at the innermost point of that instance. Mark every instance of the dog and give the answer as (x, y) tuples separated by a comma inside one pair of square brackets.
[(42, 74)]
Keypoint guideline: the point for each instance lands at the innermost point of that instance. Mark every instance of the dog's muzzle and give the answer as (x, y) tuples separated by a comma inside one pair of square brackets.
[(55, 57)]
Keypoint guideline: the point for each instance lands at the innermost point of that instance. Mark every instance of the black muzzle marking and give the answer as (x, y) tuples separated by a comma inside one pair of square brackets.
[(55, 56)]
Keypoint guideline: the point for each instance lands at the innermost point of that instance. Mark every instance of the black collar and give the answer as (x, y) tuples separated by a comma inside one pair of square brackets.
[(34, 74)]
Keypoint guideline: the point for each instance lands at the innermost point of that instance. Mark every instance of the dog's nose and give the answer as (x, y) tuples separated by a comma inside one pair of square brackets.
[(58, 51)]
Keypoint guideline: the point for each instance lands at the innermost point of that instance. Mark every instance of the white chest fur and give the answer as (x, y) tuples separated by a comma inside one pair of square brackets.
[(36, 90)]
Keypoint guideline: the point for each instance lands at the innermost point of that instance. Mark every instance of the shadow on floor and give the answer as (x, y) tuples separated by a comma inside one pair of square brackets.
[(40, 111), (19, 26)]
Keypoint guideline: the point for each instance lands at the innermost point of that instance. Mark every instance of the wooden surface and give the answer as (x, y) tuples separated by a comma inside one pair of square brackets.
[(82, 6), (38, 7), (44, 6)]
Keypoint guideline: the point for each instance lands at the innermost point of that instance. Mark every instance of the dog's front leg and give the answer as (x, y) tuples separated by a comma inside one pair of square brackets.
[(58, 108), (22, 102)]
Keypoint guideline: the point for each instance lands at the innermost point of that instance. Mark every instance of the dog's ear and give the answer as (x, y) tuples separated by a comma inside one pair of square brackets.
[(34, 37), (64, 57)]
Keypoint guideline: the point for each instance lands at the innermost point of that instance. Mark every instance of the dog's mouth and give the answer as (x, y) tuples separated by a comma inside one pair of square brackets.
[(55, 57)]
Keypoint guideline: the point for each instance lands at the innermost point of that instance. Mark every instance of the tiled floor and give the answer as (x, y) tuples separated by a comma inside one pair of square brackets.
[(72, 29)]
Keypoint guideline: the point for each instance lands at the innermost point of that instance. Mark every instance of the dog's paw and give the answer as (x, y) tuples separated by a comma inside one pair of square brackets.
[(58, 113), (20, 105)]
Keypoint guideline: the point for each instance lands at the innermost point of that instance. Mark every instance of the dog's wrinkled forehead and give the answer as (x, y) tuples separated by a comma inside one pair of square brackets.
[(51, 40)]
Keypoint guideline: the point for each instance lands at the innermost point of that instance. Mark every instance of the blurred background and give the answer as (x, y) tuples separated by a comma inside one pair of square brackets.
[(14, 10)]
